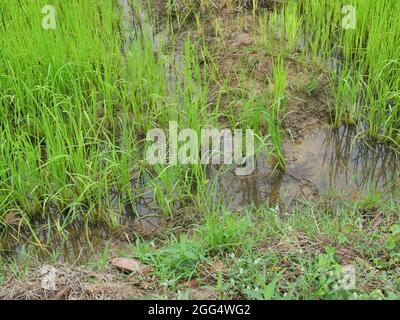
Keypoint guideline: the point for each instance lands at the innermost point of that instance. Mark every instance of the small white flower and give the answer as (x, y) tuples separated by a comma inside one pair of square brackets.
[(335, 287)]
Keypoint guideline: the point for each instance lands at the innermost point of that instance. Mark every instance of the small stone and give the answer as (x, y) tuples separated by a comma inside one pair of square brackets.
[(131, 265)]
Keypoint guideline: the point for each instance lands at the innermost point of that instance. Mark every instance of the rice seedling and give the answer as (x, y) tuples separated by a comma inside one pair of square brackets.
[(277, 109), (291, 24)]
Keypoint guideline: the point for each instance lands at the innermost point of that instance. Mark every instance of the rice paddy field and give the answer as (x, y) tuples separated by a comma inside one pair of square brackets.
[(84, 83)]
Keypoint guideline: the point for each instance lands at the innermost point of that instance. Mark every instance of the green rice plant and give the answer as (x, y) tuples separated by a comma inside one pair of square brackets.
[(255, 6), (366, 81), (292, 24), (58, 106), (75, 109), (277, 109), (253, 105), (263, 30), (321, 20)]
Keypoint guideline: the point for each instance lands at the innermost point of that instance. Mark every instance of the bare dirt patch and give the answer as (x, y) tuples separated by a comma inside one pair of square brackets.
[(74, 283), (233, 39)]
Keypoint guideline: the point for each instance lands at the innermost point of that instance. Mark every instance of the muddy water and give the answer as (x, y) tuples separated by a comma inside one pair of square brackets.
[(80, 243), (325, 162)]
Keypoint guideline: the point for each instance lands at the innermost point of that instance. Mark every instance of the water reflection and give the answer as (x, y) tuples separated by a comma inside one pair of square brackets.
[(325, 161)]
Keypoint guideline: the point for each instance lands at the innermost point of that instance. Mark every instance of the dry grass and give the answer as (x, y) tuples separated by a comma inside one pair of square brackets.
[(75, 283)]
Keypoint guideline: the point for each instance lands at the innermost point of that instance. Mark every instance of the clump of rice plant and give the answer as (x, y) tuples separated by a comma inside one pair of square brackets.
[(278, 108), (365, 38)]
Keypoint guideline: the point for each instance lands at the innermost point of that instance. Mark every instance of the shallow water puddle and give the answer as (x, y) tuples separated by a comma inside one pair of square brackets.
[(326, 161), (80, 245)]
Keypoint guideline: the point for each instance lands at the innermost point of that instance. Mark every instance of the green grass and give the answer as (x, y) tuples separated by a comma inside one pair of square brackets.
[(265, 253), (301, 256)]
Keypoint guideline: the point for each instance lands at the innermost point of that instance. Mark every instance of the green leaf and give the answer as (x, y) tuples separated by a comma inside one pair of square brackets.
[(348, 228), (391, 242)]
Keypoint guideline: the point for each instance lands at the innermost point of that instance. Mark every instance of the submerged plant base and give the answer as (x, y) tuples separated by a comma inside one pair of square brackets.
[(326, 161)]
